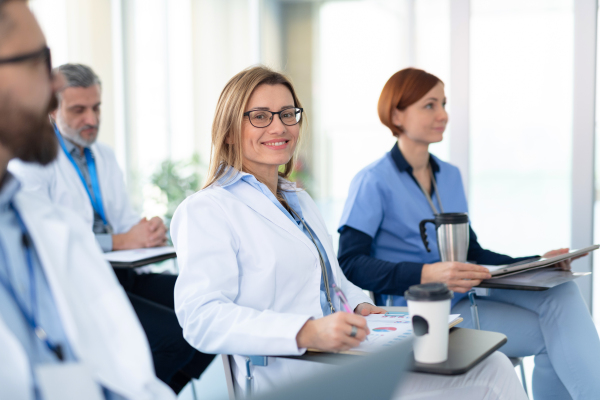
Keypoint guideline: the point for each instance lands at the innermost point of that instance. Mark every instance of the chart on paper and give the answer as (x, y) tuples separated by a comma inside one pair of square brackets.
[(388, 329)]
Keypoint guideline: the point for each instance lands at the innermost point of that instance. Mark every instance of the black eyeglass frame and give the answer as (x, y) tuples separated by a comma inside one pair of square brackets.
[(44, 52), (247, 114)]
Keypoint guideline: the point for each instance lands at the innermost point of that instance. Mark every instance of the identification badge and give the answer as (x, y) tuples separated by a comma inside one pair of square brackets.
[(67, 381)]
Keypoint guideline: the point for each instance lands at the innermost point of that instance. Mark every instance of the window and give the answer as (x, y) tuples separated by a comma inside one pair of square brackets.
[(353, 68), (521, 124)]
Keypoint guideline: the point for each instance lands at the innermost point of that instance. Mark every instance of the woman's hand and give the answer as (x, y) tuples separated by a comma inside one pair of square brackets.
[(459, 277), (366, 309), (565, 265), (332, 333)]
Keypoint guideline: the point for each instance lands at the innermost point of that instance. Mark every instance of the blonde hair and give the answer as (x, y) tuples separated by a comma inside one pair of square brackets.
[(229, 117)]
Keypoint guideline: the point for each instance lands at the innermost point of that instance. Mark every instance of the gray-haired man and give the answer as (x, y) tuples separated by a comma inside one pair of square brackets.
[(87, 179), (102, 201)]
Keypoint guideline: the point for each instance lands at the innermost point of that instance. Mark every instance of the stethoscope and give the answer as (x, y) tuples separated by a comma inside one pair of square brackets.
[(262, 360), (321, 260)]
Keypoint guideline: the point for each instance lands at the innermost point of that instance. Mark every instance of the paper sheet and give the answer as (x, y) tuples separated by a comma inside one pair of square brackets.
[(494, 267), (388, 329), (128, 256)]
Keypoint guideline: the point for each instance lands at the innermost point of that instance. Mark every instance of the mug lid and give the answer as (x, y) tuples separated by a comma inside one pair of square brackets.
[(435, 291), (452, 218)]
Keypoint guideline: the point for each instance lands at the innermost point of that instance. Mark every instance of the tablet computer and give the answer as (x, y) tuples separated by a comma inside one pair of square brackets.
[(538, 262)]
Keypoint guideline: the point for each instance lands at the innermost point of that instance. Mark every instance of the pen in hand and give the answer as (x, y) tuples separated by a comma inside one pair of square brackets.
[(343, 300), (342, 297)]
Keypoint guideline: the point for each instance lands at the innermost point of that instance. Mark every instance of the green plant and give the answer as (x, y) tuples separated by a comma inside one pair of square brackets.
[(301, 175), (177, 180)]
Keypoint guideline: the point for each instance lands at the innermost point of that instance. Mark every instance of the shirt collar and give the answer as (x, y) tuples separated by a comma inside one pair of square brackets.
[(232, 176), (403, 165), (9, 186), (71, 147)]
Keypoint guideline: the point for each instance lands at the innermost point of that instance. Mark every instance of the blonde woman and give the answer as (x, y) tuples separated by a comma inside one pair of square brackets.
[(256, 262)]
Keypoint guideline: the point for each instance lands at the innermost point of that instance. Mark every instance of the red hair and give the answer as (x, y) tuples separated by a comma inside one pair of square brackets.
[(403, 89)]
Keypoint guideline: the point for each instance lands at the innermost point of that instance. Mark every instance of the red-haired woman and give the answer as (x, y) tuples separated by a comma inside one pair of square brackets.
[(381, 249)]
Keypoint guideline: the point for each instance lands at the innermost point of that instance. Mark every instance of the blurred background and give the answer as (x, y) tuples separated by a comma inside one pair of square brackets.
[(520, 79)]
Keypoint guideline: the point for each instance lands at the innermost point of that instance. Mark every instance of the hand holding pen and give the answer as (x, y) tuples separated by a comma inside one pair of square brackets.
[(346, 305)]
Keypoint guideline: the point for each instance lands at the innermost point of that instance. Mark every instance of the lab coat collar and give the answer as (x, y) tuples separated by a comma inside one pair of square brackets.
[(257, 201), (233, 176), (50, 239)]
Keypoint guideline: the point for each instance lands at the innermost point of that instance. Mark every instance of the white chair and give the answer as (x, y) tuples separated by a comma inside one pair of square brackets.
[(227, 362), (259, 361)]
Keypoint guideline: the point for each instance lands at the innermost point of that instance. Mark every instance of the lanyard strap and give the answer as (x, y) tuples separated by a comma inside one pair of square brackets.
[(30, 317), (96, 200), (321, 260), (437, 193)]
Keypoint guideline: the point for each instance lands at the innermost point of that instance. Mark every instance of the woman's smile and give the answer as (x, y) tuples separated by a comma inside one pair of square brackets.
[(277, 144)]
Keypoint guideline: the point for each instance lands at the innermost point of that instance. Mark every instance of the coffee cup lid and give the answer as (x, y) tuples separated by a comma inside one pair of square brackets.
[(428, 292)]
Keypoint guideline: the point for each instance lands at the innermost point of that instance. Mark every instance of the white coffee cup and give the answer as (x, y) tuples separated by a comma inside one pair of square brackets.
[(429, 308)]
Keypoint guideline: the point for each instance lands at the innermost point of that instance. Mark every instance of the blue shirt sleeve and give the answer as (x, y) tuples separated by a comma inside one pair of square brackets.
[(479, 255), (369, 273), (364, 206)]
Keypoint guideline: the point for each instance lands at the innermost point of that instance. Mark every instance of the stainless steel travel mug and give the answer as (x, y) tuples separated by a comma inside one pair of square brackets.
[(452, 235)]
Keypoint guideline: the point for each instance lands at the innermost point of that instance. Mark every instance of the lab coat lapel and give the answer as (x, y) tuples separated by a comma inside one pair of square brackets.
[(262, 205), (50, 238)]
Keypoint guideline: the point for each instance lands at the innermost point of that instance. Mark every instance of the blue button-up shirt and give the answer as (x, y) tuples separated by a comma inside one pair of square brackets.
[(291, 198)]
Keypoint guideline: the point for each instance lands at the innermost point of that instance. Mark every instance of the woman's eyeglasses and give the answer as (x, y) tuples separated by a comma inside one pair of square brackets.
[(262, 119)]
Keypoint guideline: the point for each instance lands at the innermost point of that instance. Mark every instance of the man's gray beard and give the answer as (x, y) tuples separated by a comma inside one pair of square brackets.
[(73, 135)]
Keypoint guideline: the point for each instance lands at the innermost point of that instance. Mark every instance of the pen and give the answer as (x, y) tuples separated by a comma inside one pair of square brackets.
[(343, 300)]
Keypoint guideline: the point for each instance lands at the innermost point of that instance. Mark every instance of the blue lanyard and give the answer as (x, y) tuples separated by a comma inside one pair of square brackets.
[(96, 200), (30, 317)]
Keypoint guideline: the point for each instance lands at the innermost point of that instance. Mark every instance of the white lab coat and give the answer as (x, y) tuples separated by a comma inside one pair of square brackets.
[(249, 279), (60, 183), (98, 319)]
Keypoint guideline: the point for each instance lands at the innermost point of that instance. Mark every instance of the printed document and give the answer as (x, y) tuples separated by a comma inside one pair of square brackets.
[(388, 329)]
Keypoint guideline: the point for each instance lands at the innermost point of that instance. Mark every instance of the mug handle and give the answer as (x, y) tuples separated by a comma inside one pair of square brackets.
[(424, 232)]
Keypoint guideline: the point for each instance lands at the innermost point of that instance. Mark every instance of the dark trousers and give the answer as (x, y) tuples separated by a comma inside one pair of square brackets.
[(151, 295)]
